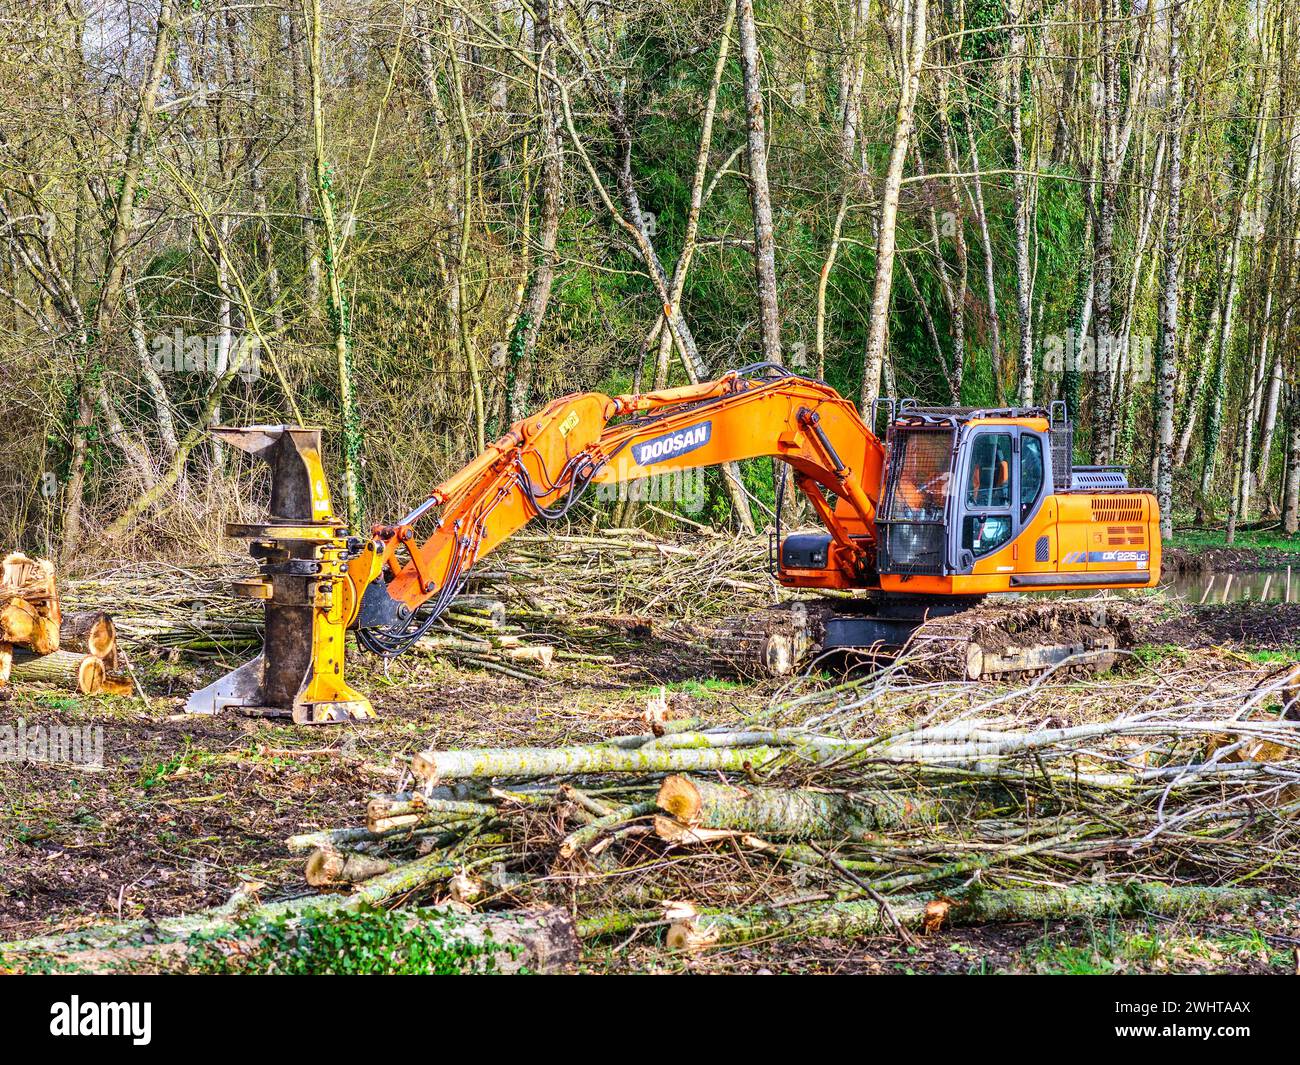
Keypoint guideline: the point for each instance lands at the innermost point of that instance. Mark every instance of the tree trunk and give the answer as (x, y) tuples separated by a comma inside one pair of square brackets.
[(523, 347), (1104, 253), (975, 191), (302, 170), (1214, 415), (632, 220), (90, 632), (791, 813), (1024, 279), (860, 917), (852, 74), (340, 312), (138, 140), (911, 55), (1168, 371), (553, 761), (466, 195), (501, 941), (760, 195), (1291, 494)]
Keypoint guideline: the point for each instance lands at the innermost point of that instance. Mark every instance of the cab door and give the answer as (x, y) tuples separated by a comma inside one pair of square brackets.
[(1002, 487)]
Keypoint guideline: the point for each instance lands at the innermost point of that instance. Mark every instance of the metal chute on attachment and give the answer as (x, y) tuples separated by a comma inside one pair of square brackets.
[(303, 584)]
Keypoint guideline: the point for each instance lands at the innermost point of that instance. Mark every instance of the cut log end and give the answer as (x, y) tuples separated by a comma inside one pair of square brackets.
[(6, 662), (90, 675), (91, 632), (679, 796), (329, 868)]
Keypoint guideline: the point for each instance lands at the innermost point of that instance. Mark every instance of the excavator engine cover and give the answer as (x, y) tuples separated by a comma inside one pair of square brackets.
[(304, 588)]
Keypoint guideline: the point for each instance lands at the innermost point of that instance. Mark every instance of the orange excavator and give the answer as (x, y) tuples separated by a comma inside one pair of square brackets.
[(953, 505)]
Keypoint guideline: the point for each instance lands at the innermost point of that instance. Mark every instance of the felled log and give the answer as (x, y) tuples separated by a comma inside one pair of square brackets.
[(6, 662), (388, 812), (858, 917), (63, 669), (329, 868), (431, 766), (91, 632), (536, 940), (419, 873), (790, 813), (542, 655), (509, 647), (482, 608)]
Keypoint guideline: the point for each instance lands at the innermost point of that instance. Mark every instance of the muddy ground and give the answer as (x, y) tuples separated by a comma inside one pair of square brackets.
[(186, 810), (1179, 561)]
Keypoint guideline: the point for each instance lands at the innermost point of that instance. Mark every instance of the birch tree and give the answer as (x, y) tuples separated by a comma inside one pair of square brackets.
[(911, 58)]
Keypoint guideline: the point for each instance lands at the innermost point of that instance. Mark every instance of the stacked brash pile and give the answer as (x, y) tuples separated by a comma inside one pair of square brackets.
[(41, 644)]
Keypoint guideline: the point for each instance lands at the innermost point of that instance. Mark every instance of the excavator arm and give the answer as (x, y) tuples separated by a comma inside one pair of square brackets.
[(409, 572)]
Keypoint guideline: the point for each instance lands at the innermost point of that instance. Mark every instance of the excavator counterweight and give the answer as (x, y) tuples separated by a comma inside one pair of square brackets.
[(953, 505)]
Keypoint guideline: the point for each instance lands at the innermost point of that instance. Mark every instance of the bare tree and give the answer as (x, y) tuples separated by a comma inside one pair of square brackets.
[(911, 58)]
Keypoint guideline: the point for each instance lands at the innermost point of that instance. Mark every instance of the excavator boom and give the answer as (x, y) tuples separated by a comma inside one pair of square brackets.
[(545, 462)]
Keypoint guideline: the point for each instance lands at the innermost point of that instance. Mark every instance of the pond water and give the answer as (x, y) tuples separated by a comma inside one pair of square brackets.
[(1232, 586)]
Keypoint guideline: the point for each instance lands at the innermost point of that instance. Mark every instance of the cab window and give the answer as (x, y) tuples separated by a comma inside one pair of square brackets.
[(990, 471), (987, 523), (1031, 473)]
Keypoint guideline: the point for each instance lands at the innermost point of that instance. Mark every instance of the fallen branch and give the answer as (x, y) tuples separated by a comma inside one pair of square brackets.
[(857, 917)]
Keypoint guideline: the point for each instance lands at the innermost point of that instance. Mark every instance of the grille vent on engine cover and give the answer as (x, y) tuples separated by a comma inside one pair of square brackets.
[(1118, 509)]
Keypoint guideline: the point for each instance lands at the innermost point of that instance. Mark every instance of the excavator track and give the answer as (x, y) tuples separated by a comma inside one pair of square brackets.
[(1005, 641), (1014, 641), (771, 642)]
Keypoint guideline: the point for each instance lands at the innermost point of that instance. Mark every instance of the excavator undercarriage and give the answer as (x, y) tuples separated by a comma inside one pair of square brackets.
[(952, 506), (958, 640)]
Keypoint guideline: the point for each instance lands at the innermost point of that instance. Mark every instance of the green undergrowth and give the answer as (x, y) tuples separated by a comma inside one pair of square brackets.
[(1151, 654), (706, 688), (1272, 539), (1113, 947), (1289, 654), (366, 942)]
